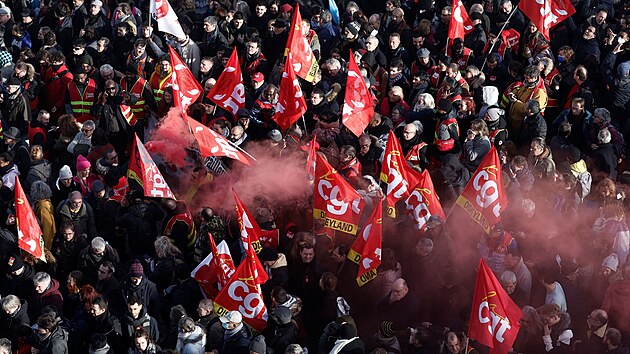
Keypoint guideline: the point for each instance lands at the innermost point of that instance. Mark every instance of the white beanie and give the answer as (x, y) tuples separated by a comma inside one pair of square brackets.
[(611, 262), (65, 172)]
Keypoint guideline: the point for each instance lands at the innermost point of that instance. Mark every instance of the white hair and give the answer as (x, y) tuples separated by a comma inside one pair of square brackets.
[(42, 278), (98, 243), (10, 303), (508, 277), (604, 136)]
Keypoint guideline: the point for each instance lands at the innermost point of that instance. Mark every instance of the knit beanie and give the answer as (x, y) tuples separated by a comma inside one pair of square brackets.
[(611, 262), (82, 163), (65, 172)]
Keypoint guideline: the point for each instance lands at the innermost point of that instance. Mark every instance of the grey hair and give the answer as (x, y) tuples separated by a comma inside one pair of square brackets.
[(186, 324), (40, 190), (164, 247), (325, 16), (89, 124), (206, 304), (604, 136), (106, 68), (429, 101), (533, 106), (603, 113), (5, 344), (419, 127), (528, 206), (294, 349), (373, 38), (352, 4), (508, 276), (212, 20), (98, 243), (10, 302), (426, 242), (41, 277), (333, 63)]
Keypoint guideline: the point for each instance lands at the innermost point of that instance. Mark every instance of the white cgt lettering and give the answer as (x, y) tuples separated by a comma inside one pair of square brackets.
[(335, 206), (398, 186), (494, 322), (420, 212), (489, 192), (251, 303)]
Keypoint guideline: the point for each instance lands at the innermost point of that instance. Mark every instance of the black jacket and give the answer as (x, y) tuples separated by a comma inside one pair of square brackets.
[(238, 343), (15, 326), (145, 291), (83, 220), (139, 221), (56, 343), (532, 127)]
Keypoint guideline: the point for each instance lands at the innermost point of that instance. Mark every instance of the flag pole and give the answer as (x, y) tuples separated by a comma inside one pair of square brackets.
[(446, 47), (241, 150), (498, 35)]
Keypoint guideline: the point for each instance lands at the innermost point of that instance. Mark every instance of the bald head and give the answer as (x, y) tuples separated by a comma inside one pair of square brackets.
[(410, 131), (399, 290)]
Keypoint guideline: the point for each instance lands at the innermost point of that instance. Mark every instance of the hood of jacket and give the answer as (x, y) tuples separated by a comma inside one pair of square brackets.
[(192, 337), (65, 210), (281, 262), (103, 350), (54, 288)]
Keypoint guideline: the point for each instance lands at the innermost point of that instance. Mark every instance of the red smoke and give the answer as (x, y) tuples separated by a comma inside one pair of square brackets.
[(170, 139)]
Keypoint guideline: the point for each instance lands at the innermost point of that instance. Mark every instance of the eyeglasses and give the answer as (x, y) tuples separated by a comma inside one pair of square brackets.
[(87, 130), (110, 88)]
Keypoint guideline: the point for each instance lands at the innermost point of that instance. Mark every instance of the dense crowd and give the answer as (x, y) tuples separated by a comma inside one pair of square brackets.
[(80, 78)]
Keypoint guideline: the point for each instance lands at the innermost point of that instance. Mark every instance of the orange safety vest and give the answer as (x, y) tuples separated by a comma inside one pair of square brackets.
[(493, 134), (413, 155), (82, 102), (159, 84), (137, 89), (434, 77), (188, 220), (462, 62), (551, 102)]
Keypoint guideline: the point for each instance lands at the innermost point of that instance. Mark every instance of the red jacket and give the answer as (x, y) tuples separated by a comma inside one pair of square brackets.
[(55, 86), (617, 305)]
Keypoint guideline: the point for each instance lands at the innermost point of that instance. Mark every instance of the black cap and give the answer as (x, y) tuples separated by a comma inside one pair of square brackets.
[(15, 263), (445, 105), (14, 81), (280, 24), (476, 16), (80, 70), (268, 254)]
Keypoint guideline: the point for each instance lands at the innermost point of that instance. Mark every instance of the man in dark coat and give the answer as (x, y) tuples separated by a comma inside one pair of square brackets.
[(533, 125), (138, 285), (209, 320), (14, 321), (237, 335), (74, 210), (93, 256), (101, 321), (396, 306)]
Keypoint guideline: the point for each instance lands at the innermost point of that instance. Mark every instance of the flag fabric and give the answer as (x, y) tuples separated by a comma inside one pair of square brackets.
[(214, 272), (291, 103), (484, 197), (186, 89), (126, 111), (299, 51), (243, 294), (358, 107), (423, 202), (546, 13), (229, 91), (335, 202), (494, 321), (397, 174), (145, 172), (29, 233), (334, 11), (213, 144), (120, 190), (460, 24), (250, 231), (312, 146), (366, 250), (166, 18)]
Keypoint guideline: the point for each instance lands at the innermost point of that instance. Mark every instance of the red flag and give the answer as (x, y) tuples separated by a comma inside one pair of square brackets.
[(214, 272), (460, 24), (120, 190), (243, 294), (143, 170), (484, 197), (299, 50), (29, 233), (313, 146), (358, 107), (213, 144), (291, 104), (334, 199), (250, 231), (366, 250), (229, 91), (494, 321), (546, 13), (186, 89), (397, 173), (423, 202), (128, 114)]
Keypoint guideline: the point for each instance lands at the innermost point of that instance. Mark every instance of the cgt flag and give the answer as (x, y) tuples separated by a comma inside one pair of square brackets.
[(299, 49), (484, 197), (546, 13), (460, 24), (335, 202), (214, 272), (213, 144), (166, 18), (29, 233), (494, 321), (397, 173), (366, 250), (250, 231), (291, 104), (145, 172), (358, 107), (229, 91), (186, 89), (423, 202)]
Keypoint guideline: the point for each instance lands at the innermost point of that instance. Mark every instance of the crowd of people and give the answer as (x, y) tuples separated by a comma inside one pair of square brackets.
[(81, 78)]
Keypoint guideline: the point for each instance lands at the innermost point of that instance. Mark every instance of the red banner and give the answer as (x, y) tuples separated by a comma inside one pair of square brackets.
[(299, 50), (424, 202), (250, 231), (242, 294), (291, 104), (358, 107), (213, 144), (312, 146), (229, 91), (186, 89), (166, 18), (334, 199), (484, 197), (366, 250), (460, 24), (29, 233), (397, 173), (143, 170), (214, 272), (120, 190), (494, 321), (546, 13)]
